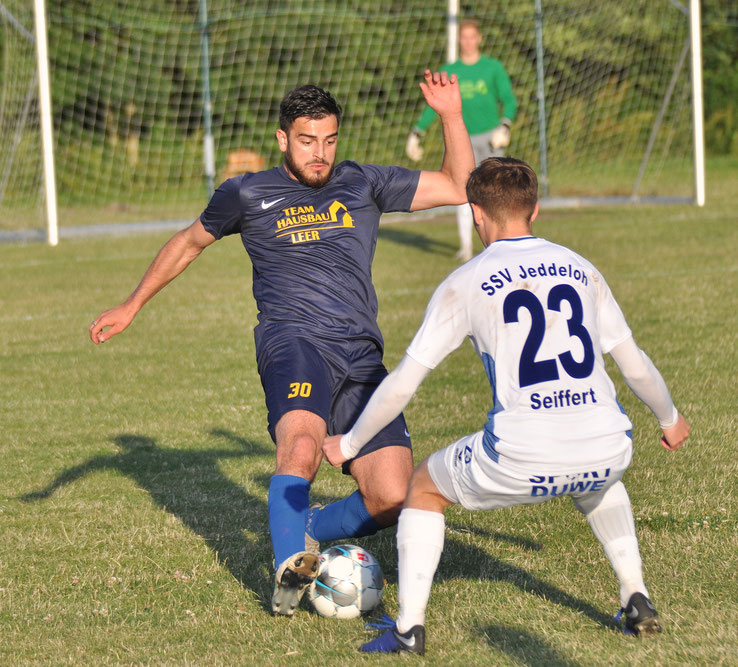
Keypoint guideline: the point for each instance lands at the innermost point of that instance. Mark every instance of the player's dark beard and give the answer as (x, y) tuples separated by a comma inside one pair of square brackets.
[(306, 177)]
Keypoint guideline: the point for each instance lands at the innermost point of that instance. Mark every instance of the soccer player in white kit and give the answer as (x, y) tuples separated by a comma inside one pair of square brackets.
[(540, 317)]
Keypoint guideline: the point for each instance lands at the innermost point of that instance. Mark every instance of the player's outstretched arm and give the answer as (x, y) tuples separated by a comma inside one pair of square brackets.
[(174, 257), (386, 403), (646, 383), (448, 185)]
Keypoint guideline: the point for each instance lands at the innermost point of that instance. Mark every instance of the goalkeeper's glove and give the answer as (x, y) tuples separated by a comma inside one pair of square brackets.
[(500, 136), (413, 147)]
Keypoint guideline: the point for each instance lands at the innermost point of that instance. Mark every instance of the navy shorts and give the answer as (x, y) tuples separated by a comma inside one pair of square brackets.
[(334, 381)]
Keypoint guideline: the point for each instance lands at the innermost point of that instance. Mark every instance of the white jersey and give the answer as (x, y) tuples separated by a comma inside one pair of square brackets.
[(540, 317)]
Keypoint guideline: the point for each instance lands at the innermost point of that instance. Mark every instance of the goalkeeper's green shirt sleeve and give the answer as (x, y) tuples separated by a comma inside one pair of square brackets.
[(504, 92)]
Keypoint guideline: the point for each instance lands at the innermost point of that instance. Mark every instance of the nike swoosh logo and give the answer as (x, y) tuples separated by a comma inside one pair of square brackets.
[(633, 613), (268, 204), (410, 643), (407, 435)]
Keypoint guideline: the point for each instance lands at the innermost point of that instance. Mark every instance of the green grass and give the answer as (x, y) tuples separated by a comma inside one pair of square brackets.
[(135, 474)]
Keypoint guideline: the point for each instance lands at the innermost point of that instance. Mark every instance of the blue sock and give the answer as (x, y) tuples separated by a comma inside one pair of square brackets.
[(289, 498), (345, 518)]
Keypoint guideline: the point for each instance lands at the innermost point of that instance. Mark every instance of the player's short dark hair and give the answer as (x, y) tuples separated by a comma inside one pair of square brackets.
[(504, 187), (307, 101)]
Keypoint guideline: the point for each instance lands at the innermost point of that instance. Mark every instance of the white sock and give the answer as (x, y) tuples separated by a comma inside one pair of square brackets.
[(611, 518), (465, 223), (420, 536)]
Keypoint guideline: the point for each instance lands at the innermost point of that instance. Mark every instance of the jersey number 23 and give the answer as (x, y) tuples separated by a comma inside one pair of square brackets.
[(532, 371)]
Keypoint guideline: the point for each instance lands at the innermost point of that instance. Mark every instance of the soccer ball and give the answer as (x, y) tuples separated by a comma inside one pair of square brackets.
[(349, 582)]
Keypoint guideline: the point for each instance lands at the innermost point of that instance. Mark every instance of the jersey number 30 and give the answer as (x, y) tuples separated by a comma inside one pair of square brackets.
[(532, 371), (300, 389)]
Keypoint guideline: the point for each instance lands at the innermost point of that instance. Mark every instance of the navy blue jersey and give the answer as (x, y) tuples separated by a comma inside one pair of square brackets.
[(312, 248)]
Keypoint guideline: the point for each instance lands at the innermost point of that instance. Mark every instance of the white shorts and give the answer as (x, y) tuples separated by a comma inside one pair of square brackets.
[(465, 474)]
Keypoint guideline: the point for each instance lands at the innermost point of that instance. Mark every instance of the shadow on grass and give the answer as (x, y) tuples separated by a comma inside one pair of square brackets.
[(463, 561), (419, 241), (522, 646), (190, 485), (460, 560), (522, 542)]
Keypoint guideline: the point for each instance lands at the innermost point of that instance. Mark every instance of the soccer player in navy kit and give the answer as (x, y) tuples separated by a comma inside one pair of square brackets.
[(310, 229), (540, 317)]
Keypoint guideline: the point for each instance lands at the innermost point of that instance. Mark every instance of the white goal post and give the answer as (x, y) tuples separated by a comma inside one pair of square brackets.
[(150, 103), (698, 114), (44, 95)]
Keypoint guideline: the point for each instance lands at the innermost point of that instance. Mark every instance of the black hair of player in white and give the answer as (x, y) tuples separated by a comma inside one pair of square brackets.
[(307, 101)]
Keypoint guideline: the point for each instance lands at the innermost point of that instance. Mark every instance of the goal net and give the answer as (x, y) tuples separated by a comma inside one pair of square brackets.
[(603, 90), (21, 172)]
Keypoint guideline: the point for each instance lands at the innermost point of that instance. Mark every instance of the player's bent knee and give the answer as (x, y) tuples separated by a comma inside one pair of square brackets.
[(614, 495), (390, 502), (300, 456), (423, 493), (386, 496), (383, 477), (385, 503), (386, 516)]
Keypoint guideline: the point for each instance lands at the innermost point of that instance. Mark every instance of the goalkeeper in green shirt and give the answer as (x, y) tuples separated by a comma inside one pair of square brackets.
[(485, 87)]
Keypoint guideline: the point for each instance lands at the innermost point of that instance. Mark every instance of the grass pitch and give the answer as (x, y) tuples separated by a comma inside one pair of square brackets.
[(135, 474)]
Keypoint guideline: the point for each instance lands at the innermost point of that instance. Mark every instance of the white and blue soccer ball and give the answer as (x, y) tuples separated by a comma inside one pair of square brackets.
[(349, 582)]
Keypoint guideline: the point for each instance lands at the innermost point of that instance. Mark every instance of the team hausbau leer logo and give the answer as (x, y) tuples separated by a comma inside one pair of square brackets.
[(303, 223)]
